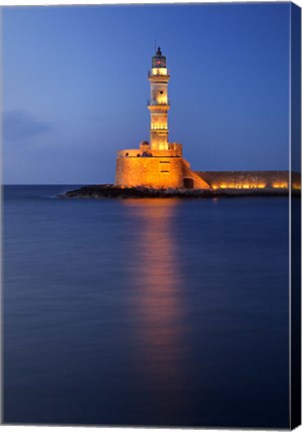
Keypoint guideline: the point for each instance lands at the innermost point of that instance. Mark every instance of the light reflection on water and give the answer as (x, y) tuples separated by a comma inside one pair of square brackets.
[(145, 312), (159, 303)]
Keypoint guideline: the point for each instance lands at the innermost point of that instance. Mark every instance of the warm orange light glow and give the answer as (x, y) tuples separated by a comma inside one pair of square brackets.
[(159, 71), (159, 126), (239, 186), (162, 99), (158, 302), (280, 185), (162, 146)]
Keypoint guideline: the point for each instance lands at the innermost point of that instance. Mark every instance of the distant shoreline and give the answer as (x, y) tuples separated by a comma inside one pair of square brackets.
[(111, 191)]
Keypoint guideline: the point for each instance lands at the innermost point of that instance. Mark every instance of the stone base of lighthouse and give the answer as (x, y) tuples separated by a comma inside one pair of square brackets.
[(156, 169)]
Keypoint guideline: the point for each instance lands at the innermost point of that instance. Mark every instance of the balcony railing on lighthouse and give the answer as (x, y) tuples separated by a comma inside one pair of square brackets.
[(160, 102), (159, 72), (155, 127)]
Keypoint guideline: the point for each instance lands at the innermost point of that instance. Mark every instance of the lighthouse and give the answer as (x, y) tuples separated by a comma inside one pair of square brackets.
[(159, 104), (159, 163)]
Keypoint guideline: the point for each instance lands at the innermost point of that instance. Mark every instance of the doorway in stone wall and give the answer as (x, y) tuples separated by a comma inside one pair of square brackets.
[(188, 183)]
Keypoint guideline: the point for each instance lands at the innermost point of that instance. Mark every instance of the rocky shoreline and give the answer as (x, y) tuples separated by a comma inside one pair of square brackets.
[(111, 191)]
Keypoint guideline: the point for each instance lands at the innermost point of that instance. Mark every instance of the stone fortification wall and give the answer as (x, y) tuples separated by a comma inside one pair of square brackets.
[(165, 169), (249, 179), (155, 172), (175, 150), (197, 182), (156, 169)]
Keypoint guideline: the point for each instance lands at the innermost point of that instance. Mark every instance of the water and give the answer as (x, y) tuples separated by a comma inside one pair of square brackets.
[(145, 312)]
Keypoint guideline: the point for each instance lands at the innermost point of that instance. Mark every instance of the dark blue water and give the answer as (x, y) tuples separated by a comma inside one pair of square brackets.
[(145, 312)]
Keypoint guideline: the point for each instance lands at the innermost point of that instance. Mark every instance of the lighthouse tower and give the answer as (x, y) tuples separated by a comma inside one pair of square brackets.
[(158, 104), (158, 163)]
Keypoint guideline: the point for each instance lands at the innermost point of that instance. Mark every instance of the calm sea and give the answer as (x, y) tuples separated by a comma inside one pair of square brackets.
[(145, 312)]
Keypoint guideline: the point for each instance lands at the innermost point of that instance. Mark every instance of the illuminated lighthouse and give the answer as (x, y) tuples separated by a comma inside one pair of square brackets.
[(158, 163), (158, 103)]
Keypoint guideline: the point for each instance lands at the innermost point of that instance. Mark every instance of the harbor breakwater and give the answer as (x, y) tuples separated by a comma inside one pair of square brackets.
[(111, 191)]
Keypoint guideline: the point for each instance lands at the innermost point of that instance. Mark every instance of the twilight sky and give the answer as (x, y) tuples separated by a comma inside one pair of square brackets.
[(75, 87)]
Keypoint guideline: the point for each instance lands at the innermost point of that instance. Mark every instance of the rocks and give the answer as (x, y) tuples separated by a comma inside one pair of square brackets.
[(111, 191)]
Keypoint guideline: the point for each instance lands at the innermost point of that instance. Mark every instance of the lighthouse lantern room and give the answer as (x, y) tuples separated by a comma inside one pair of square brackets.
[(159, 104)]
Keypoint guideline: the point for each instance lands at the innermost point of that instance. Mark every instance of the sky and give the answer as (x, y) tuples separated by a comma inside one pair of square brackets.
[(75, 87)]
